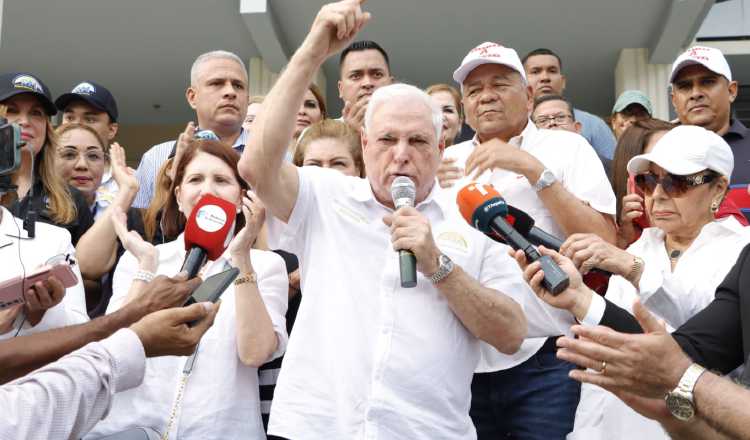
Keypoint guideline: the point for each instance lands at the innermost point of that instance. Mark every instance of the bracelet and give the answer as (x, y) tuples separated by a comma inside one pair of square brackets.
[(144, 275), (635, 268), (247, 278)]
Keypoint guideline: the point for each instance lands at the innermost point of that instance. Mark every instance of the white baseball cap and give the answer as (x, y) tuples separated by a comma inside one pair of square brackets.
[(488, 53), (708, 57), (685, 150)]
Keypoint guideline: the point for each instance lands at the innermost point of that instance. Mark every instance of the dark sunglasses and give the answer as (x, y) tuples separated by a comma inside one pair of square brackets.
[(674, 186)]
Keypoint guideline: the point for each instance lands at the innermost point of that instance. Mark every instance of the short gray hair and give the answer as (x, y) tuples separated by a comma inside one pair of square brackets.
[(214, 54), (397, 91)]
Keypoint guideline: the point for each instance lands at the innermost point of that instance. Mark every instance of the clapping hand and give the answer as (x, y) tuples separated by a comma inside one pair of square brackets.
[(123, 175), (255, 214), (145, 252), (184, 142)]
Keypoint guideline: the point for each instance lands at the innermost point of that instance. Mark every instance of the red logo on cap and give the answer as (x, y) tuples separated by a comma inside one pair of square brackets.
[(484, 50), (694, 53)]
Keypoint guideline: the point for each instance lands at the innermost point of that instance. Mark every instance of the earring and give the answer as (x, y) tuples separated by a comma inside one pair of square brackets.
[(714, 206)]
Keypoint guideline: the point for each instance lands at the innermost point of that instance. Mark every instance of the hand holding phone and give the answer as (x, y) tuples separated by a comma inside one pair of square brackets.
[(13, 291)]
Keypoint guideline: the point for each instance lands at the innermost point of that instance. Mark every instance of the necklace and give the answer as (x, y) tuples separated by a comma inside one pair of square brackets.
[(675, 254)]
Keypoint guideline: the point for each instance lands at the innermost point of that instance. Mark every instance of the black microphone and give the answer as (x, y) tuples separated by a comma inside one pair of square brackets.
[(524, 224), (403, 193), (485, 210)]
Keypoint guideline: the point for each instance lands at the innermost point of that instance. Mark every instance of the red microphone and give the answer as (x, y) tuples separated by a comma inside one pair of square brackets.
[(208, 232)]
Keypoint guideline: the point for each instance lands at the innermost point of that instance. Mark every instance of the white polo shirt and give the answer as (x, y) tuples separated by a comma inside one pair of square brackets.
[(576, 166), (367, 358)]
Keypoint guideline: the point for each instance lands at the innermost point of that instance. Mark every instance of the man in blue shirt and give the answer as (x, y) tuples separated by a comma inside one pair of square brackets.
[(544, 73)]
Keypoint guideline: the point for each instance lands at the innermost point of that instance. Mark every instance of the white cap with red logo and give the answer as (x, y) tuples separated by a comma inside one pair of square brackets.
[(708, 57), (488, 53)]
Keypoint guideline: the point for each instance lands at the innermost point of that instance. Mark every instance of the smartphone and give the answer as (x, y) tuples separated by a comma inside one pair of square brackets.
[(213, 287), (11, 291), (643, 222)]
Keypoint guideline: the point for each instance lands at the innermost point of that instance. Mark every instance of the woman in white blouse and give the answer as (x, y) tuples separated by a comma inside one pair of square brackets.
[(213, 394), (674, 267)]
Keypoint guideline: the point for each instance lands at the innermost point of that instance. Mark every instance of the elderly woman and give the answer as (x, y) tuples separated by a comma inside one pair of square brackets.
[(331, 144), (673, 268)]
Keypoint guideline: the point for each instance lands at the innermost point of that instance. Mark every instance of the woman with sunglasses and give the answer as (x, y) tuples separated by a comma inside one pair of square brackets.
[(673, 268)]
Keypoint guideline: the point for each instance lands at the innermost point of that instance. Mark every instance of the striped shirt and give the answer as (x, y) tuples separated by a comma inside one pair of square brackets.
[(152, 161)]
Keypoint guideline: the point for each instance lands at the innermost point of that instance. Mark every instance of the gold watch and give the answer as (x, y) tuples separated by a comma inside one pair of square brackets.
[(247, 278)]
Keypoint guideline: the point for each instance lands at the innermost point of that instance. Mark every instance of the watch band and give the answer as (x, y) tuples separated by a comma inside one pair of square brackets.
[(247, 278), (546, 179), (689, 379), (635, 268), (445, 268)]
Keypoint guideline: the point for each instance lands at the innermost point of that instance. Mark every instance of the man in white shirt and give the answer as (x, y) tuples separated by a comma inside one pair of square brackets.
[(555, 177), (370, 359)]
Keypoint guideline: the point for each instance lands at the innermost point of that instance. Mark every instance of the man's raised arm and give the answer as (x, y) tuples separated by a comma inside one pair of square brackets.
[(262, 164)]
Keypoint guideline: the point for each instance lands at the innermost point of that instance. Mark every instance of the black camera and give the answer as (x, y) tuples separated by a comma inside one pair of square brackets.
[(10, 147)]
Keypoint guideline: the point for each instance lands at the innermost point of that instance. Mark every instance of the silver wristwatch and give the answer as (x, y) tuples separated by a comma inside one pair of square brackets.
[(680, 400), (445, 268), (546, 179)]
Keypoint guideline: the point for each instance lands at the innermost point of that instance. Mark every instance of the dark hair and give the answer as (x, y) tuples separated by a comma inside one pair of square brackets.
[(359, 46), (631, 143), (173, 221), (542, 51), (315, 90), (545, 98)]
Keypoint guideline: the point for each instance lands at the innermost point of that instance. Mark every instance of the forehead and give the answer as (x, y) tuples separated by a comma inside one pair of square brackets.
[(442, 97), (78, 137), (221, 68), (310, 95), (552, 107), (327, 147), (364, 60), (81, 106), (487, 72), (543, 61), (693, 72), (403, 115), (207, 163)]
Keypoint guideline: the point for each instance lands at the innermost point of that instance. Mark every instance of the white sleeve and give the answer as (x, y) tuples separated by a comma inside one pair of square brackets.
[(585, 178), (126, 268), (501, 272), (273, 285), (65, 399)]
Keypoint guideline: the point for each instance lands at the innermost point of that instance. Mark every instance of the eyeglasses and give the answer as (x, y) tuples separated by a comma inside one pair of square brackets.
[(559, 119), (673, 186), (92, 156)]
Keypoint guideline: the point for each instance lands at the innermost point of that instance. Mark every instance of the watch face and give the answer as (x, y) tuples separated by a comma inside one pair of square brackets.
[(680, 407)]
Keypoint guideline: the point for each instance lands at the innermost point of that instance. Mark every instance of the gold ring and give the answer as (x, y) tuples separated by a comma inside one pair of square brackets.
[(604, 367)]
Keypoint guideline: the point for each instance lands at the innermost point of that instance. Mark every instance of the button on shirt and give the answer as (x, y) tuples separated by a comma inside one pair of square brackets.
[(221, 395), (575, 165), (674, 296), (50, 241), (369, 359), (152, 161)]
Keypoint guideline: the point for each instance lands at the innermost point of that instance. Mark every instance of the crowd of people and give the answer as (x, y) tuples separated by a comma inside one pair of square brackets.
[(317, 338)]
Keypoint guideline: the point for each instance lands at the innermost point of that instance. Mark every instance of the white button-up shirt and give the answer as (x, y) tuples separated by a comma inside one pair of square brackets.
[(367, 358), (221, 396), (66, 398), (674, 296), (50, 241), (575, 165)]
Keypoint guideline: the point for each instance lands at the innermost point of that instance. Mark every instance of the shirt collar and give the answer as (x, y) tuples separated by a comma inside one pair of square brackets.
[(526, 134), (738, 128), (362, 192)]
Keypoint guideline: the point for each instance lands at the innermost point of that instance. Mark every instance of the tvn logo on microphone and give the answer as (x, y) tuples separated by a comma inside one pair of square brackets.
[(211, 218), (491, 206)]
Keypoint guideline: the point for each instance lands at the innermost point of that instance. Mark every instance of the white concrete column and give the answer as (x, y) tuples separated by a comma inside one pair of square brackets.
[(633, 72), (261, 78)]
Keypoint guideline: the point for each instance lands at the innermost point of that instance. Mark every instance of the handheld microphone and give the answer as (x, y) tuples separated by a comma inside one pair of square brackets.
[(485, 210), (524, 224), (403, 192), (208, 232)]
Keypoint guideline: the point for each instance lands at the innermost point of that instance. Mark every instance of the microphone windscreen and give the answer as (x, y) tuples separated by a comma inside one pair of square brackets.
[(210, 225), (403, 191), (479, 204), (520, 220)]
